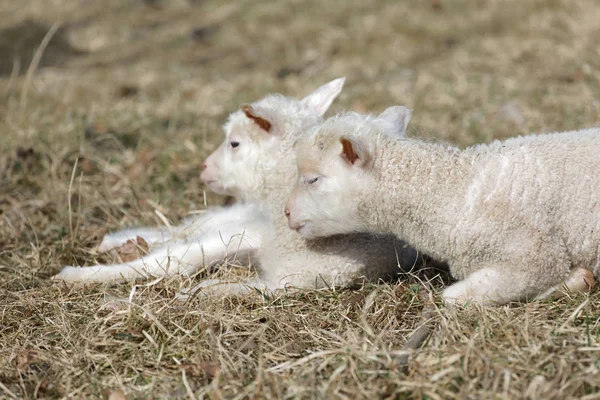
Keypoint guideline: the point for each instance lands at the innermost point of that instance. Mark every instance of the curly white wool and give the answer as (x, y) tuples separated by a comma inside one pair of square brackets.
[(512, 218)]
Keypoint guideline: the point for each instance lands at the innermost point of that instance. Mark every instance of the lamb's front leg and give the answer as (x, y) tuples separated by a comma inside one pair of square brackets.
[(528, 262), (272, 276), (212, 220), (494, 286), (181, 258), (482, 286)]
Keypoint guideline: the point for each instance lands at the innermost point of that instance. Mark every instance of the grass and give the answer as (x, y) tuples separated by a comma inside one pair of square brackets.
[(127, 100)]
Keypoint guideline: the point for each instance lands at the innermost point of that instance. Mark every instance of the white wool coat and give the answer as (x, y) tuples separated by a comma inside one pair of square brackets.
[(527, 208)]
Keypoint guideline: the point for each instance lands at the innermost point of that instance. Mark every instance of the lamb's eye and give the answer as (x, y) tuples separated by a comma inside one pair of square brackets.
[(311, 181), (234, 144)]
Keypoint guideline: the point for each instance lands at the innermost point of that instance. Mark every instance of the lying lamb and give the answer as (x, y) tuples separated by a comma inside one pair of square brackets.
[(220, 233), (256, 163), (512, 218)]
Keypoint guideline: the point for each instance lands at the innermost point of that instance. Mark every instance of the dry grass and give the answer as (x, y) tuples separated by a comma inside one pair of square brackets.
[(136, 91)]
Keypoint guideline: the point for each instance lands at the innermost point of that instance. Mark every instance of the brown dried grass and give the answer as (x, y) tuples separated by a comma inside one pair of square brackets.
[(136, 91)]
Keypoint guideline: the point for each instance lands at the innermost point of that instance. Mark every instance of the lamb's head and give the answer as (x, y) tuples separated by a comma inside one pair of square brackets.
[(336, 171), (258, 135)]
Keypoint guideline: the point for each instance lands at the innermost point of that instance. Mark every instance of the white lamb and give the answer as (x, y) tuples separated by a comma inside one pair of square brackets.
[(512, 218), (256, 163), (221, 232)]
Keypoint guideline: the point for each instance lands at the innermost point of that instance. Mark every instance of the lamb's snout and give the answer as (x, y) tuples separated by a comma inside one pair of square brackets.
[(295, 225), (209, 171), (292, 222)]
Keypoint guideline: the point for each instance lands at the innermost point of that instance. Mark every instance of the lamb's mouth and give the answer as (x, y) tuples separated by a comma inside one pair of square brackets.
[(216, 187), (212, 185), (209, 183), (300, 229), (297, 226)]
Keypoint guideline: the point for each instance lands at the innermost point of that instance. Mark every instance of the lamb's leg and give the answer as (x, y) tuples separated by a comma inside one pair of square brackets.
[(490, 286), (176, 259), (152, 236), (480, 286), (211, 221), (579, 280), (270, 278), (218, 287)]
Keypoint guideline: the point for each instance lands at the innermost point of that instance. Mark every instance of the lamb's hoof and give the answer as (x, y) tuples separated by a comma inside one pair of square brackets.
[(580, 280)]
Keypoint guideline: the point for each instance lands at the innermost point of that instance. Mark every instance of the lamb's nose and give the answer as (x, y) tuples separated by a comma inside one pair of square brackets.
[(287, 212), (204, 165)]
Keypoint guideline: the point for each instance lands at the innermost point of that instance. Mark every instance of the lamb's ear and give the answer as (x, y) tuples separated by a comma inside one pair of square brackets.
[(399, 117), (321, 99), (354, 152), (256, 116)]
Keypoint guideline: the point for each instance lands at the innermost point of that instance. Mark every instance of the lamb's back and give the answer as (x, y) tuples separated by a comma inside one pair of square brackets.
[(549, 183)]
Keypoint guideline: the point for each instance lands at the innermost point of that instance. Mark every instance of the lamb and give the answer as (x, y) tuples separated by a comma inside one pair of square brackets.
[(512, 218), (222, 232), (256, 164)]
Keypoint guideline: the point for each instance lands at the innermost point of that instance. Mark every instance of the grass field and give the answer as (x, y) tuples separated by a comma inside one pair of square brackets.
[(107, 109)]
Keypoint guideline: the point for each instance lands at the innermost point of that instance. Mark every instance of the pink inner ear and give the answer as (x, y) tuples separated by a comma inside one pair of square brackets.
[(348, 151), (261, 122)]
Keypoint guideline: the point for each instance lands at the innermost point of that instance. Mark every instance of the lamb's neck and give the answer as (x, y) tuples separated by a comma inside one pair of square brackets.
[(421, 187), (277, 185)]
